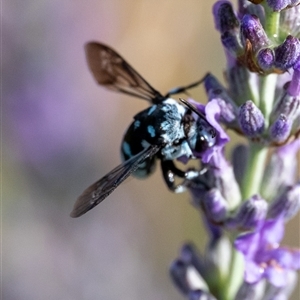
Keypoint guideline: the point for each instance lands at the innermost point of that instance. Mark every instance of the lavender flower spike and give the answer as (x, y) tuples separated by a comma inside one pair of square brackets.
[(251, 119)]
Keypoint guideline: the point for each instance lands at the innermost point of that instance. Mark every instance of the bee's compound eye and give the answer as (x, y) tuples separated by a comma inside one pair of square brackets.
[(205, 139), (201, 144)]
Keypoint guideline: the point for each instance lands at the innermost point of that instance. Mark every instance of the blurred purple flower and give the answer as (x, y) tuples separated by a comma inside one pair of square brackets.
[(263, 256)]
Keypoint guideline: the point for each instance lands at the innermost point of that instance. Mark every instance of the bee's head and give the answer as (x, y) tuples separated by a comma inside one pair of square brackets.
[(200, 135)]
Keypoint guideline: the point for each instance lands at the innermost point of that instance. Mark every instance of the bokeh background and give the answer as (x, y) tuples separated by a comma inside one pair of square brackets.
[(61, 132)]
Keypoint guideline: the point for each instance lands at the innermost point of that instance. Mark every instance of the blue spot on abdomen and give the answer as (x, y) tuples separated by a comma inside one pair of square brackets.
[(151, 130)]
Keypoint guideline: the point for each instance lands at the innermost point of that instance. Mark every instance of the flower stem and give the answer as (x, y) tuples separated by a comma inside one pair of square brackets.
[(254, 170), (272, 19), (267, 94), (235, 276)]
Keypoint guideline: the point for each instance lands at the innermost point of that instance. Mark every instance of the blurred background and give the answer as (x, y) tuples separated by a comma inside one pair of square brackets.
[(62, 132)]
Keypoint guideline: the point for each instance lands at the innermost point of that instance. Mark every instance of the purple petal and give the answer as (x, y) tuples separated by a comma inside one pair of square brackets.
[(276, 276), (289, 149), (213, 112), (273, 231), (248, 244), (287, 258), (253, 272)]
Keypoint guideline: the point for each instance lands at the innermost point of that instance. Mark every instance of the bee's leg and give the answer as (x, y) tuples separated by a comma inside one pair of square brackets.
[(170, 171)]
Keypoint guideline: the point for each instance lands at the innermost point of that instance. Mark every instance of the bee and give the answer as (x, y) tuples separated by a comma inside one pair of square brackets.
[(166, 130)]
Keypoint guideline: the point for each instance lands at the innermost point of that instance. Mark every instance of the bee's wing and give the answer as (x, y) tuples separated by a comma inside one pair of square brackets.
[(98, 191), (113, 72)]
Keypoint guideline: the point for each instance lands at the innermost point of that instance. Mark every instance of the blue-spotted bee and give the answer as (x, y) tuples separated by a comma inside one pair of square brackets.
[(167, 130)]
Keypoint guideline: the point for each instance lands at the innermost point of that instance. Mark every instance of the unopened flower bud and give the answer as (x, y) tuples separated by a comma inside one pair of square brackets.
[(191, 256), (287, 54), (265, 59), (184, 270), (277, 5), (225, 19), (246, 7), (253, 31), (178, 272), (289, 21), (200, 295), (232, 43), (225, 181), (215, 206), (281, 170), (215, 91), (288, 103), (243, 84), (227, 24), (287, 204), (249, 291), (288, 106), (280, 129), (251, 119), (250, 214), (294, 86)]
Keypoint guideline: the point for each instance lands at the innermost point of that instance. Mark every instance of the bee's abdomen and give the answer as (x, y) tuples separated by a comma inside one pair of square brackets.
[(133, 143)]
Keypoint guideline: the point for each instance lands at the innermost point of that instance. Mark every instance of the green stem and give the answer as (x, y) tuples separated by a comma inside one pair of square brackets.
[(254, 170), (272, 23), (267, 94), (235, 276)]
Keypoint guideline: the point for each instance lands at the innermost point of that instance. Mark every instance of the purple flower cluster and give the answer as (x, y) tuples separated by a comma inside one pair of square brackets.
[(247, 200)]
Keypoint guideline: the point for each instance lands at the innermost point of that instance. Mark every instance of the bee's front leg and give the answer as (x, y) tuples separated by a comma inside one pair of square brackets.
[(170, 171)]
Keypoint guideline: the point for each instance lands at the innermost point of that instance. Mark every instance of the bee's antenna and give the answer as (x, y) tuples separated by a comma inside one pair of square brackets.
[(192, 108)]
